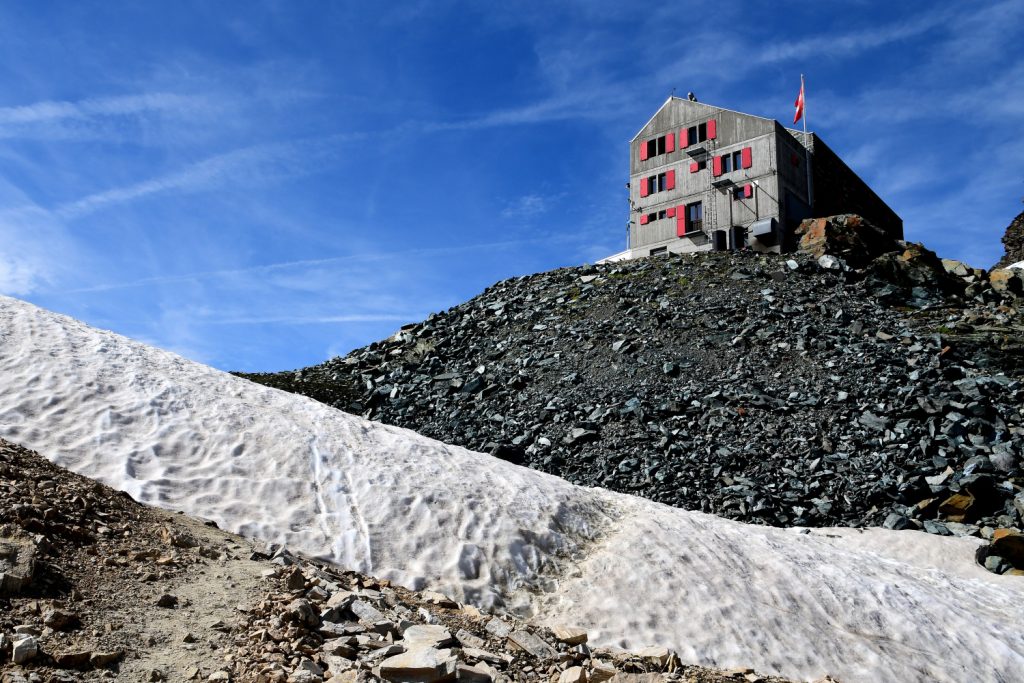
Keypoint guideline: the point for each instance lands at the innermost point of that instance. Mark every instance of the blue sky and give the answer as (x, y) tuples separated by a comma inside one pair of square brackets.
[(261, 185)]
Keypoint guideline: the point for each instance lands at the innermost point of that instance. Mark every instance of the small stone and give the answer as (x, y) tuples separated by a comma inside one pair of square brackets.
[(366, 612), (302, 612), (426, 636), (467, 639), (574, 674), (957, 507), (475, 654), (530, 643), (498, 628), (599, 673), (897, 522), (425, 665), (658, 655), (24, 650), (102, 659), (75, 659), (167, 601), (478, 673), (440, 600), (219, 676), (569, 635), (59, 620)]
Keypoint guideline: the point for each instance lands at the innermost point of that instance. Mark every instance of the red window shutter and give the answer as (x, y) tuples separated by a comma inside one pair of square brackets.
[(747, 157), (643, 150), (748, 190), (643, 219), (694, 167), (712, 129), (670, 142), (716, 166), (643, 187), (680, 220), (670, 212), (684, 138), (670, 180)]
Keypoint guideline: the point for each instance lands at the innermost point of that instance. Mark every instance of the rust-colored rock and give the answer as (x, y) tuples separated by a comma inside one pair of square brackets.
[(1009, 544), (847, 236), (1007, 280), (957, 507)]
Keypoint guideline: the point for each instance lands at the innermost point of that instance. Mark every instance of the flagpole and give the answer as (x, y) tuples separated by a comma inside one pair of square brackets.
[(807, 146)]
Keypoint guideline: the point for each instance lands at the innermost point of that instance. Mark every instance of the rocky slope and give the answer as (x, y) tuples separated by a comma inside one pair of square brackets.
[(95, 586), (1013, 242), (851, 385)]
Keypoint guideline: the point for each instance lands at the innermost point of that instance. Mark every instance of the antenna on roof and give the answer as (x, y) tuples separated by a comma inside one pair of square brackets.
[(673, 93)]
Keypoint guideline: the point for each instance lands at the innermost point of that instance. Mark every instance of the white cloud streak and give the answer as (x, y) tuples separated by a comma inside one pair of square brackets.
[(123, 105)]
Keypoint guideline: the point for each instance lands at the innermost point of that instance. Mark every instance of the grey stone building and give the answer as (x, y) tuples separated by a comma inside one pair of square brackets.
[(704, 177)]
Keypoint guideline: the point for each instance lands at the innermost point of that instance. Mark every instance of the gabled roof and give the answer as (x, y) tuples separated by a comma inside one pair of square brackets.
[(673, 97)]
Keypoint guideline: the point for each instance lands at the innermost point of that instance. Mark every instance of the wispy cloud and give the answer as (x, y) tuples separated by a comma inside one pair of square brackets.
[(315, 319), (247, 166), (844, 44), (526, 206), (123, 105), (264, 269)]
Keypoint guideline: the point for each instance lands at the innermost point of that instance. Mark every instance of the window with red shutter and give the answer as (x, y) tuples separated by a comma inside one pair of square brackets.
[(670, 143), (643, 151), (684, 138), (748, 157), (712, 129), (716, 166), (748, 190), (693, 167), (643, 219), (670, 212), (670, 180), (681, 220), (644, 188)]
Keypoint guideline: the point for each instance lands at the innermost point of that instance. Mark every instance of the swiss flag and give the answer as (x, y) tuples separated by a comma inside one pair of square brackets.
[(799, 104)]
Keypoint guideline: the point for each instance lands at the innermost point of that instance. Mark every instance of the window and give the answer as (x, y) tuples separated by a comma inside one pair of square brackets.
[(741, 192), (658, 250), (656, 146), (695, 134), (734, 161), (661, 214), (694, 217), (659, 182)]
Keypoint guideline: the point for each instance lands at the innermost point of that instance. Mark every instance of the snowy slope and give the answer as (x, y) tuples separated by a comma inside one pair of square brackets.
[(861, 605)]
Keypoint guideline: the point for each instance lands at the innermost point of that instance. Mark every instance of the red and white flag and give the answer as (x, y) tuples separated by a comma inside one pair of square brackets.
[(799, 104)]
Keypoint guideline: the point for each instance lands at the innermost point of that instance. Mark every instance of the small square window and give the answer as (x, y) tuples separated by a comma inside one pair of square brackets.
[(737, 160), (726, 163), (661, 214), (702, 132), (661, 145), (652, 148)]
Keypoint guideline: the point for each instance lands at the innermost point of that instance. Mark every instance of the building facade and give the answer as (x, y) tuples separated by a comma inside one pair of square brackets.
[(706, 178)]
